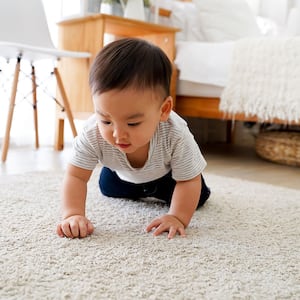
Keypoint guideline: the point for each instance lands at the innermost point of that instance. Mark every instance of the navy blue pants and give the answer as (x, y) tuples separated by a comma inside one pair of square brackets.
[(112, 186)]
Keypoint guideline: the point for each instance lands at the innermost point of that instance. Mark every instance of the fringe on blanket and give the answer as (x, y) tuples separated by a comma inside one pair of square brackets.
[(264, 79)]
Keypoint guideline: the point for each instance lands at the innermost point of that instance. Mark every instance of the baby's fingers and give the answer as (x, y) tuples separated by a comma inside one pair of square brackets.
[(66, 228), (75, 228), (59, 231), (90, 228), (82, 229), (85, 228), (154, 224), (63, 230), (173, 231), (164, 228)]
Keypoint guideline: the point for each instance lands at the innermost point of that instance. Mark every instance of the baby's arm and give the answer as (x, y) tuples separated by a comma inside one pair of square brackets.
[(184, 202), (74, 223)]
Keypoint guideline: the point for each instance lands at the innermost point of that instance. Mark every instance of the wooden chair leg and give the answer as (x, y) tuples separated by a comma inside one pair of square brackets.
[(11, 110), (34, 104), (59, 134), (66, 107)]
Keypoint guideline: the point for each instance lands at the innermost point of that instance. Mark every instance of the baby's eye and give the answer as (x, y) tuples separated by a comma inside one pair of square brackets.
[(105, 122), (134, 124)]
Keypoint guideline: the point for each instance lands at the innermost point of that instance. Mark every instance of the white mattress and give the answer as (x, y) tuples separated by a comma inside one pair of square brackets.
[(188, 88), (203, 67)]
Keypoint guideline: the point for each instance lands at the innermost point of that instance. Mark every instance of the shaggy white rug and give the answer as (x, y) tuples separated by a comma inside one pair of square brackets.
[(243, 244)]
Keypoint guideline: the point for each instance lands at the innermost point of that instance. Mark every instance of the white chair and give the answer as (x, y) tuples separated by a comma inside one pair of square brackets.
[(24, 35)]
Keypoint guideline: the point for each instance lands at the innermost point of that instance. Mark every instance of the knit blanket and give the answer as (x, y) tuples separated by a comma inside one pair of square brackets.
[(264, 79)]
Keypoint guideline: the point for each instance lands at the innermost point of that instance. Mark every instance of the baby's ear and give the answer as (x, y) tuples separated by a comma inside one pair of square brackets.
[(166, 108)]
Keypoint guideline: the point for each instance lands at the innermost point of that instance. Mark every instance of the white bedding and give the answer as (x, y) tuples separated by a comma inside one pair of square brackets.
[(203, 59), (264, 79), (195, 89), (258, 76), (203, 62)]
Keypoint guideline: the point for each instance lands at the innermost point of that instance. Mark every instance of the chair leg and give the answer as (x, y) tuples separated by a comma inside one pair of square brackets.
[(34, 105), (65, 103), (59, 134), (11, 110)]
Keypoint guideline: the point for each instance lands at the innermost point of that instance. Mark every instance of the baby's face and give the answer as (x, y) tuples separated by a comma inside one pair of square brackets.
[(127, 119)]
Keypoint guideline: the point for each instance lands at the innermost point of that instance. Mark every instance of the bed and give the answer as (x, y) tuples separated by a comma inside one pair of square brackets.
[(205, 65)]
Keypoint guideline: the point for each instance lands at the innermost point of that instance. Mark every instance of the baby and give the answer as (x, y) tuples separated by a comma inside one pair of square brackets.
[(145, 148)]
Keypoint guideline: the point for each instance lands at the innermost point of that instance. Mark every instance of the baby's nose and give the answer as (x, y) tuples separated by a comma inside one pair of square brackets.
[(119, 133)]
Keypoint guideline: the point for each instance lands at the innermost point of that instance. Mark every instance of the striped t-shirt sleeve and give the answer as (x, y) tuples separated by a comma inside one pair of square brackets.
[(187, 160)]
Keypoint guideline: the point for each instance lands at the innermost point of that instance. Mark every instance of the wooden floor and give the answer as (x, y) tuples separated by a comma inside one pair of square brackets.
[(242, 162), (222, 159)]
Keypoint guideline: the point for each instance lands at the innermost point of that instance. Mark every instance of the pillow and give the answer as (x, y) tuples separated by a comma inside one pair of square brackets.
[(254, 5), (222, 20), (193, 30), (183, 16), (178, 19), (293, 22)]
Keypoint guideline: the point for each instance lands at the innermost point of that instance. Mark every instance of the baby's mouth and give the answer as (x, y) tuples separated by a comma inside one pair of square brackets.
[(123, 146)]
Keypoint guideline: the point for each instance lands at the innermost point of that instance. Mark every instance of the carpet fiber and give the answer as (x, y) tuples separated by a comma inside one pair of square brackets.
[(243, 244)]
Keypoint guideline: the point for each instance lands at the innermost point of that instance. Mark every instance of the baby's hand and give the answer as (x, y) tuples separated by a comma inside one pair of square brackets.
[(75, 227), (167, 223)]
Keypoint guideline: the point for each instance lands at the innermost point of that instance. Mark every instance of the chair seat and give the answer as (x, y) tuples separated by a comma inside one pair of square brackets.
[(32, 53)]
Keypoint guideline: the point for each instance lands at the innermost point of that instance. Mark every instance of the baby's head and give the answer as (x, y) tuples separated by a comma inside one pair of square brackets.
[(130, 80), (131, 63)]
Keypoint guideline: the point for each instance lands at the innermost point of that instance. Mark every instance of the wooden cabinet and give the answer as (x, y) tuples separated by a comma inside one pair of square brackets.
[(88, 34)]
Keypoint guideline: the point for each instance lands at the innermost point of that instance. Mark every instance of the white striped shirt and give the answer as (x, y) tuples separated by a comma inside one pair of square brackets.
[(172, 147)]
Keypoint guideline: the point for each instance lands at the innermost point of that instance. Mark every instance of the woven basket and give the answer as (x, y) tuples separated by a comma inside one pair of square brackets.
[(279, 146)]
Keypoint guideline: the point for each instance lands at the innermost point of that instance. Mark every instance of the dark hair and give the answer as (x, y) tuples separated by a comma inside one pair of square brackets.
[(130, 62)]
